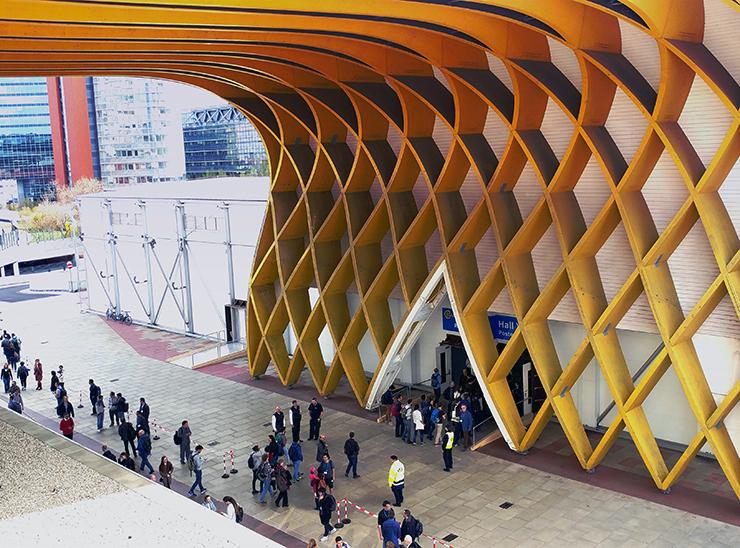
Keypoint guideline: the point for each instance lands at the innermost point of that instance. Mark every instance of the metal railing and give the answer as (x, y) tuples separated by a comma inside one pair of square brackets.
[(219, 337), (9, 239), (384, 410)]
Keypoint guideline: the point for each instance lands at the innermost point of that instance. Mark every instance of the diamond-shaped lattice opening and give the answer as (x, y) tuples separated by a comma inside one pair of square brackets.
[(557, 129), (565, 59), (496, 132), (527, 191), (641, 50), (442, 136), (626, 125), (546, 257), (731, 197), (320, 204), (616, 262), (693, 267), (664, 191), (395, 139), (705, 120), (433, 249), (486, 253), (497, 67), (592, 191), (471, 191), (368, 354)]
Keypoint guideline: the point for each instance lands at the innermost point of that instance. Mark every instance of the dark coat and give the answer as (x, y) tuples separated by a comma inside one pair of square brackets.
[(321, 450), (126, 432)]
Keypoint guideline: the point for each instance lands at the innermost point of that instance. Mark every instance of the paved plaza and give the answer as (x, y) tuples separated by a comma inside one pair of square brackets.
[(547, 509)]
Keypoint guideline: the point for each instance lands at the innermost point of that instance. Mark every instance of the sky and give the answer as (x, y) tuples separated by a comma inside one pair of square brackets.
[(183, 97)]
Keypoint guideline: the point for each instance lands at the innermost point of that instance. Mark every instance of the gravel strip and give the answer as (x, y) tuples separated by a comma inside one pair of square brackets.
[(34, 476)]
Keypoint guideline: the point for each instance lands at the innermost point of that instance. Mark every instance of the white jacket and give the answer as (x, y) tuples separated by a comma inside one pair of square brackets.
[(418, 420)]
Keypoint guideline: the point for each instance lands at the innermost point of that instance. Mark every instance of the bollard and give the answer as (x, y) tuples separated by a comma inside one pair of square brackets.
[(339, 524), (233, 470), (156, 430), (346, 520), (80, 406), (226, 474)]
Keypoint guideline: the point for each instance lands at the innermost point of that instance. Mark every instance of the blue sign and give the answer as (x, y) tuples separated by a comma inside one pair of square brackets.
[(502, 326)]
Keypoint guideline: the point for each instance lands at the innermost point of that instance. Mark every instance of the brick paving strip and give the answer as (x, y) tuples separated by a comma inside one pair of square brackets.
[(264, 529)]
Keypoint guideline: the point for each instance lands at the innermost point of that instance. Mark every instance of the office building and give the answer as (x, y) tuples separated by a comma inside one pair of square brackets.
[(221, 142)]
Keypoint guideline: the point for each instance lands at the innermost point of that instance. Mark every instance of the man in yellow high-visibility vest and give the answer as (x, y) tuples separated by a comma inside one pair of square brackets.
[(396, 476), (448, 440)]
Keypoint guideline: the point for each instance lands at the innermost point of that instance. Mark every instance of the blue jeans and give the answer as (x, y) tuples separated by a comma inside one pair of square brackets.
[(266, 488), (408, 430), (296, 469), (420, 435), (351, 465), (198, 481), (100, 421), (145, 462)]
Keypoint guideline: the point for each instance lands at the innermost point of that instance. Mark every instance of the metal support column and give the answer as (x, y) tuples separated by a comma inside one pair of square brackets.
[(182, 238), (229, 252), (148, 243), (113, 258)]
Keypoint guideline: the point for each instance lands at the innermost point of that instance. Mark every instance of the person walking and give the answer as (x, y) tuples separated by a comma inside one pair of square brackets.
[(253, 462), (107, 453), (327, 472), (22, 373), (295, 453), (391, 530), (352, 450), (198, 470), (94, 393), (128, 436), (327, 506), (112, 407), (466, 423), (165, 472), (38, 373), (396, 414), (7, 375), (437, 384), (99, 409), (448, 442), (126, 461), (295, 421), (208, 503), (418, 421), (144, 446), (183, 433), (67, 426), (322, 448), (278, 420), (264, 473), (396, 479), (410, 526), (282, 483), (315, 412)]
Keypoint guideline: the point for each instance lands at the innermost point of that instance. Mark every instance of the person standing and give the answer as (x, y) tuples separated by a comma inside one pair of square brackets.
[(295, 453), (38, 373), (107, 453), (264, 473), (54, 382), (94, 393), (121, 408), (282, 483), (466, 424), (352, 450), (327, 506), (391, 530), (439, 421), (448, 442), (396, 479), (67, 426), (65, 408), (112, 407), (7, 376), (278, 420), (396, 414), (322, 448), (254, 461), (144, 446), (410, 526), (99, 409), (23, 372), (385, 512), (128, 436), (165, 472), (272, 449), (295, 421), (184, 434), (315, 412), (141, 422), (418, 420), (437, 384), (327, 472), (144, 408), (198, 469)]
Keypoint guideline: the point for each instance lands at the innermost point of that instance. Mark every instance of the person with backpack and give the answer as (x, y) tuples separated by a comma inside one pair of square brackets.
[(386, 400), (327, 472), (282, 483), (99, 409), (264, 473), (411, 526), (253, 462), (38, 373), (23, 372), (145, 449), (196, 460), (112, 406), (128, 435), (122, 408), (295, 421), (295, 453), (352, 450), (182, 438), (232, 510), (327, 506), (94, 393)]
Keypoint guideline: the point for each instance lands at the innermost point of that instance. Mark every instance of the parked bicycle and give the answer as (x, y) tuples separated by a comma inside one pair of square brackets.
[(123, 317)]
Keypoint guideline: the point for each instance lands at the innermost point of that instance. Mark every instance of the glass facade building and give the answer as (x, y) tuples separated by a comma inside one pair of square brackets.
[(220, 141), (26, 153)]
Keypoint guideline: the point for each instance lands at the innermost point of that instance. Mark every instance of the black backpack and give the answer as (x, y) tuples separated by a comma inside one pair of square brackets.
[(176, 438), (418, 529), (250, 461), (239, 514)]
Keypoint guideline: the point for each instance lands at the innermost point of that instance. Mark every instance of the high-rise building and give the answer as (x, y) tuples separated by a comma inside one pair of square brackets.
[(139, 137), (25, 136), (220, 141)]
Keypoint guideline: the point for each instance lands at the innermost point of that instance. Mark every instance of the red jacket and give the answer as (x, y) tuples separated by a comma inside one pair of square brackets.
[(67, 426), (38, 371)]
